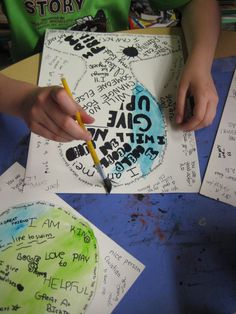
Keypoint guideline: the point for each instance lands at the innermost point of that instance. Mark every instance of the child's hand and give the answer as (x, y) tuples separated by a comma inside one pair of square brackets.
[(198, 83), (50, 112)]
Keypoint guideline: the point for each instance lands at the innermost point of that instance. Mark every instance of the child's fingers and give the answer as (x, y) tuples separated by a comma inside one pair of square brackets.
[(55, 121), (65, 102), (85, 117), (204, 111), (192, 124), (180, 103), (199, 111), (209, 115), (39, 129), (48, 124), (64, 125), (68, 105)]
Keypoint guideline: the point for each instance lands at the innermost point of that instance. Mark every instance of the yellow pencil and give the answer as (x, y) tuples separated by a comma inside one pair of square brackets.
[(92, 151)]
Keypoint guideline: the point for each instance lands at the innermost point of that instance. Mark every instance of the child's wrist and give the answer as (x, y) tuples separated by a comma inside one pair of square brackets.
[(200, 62)]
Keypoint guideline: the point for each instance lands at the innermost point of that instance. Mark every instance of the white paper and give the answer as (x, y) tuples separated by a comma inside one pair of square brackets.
[(220, 177), (13, 178), (53, 260), (128, 83)]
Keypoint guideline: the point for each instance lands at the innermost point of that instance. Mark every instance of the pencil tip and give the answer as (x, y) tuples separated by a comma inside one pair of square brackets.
[(107, 185)]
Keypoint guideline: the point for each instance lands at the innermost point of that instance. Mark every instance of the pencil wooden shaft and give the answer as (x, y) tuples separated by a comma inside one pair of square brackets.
[(80, 122)]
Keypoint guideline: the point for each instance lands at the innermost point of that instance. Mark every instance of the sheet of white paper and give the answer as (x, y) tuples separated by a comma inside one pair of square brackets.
[(13, 178), (53, 260), (220, 177), (128, 83)]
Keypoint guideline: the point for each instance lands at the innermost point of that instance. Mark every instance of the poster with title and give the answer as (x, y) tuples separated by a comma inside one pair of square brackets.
[(128, 83), (53, 260)]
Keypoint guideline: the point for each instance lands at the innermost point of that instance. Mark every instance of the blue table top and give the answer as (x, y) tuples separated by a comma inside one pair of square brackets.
[(184, 240)]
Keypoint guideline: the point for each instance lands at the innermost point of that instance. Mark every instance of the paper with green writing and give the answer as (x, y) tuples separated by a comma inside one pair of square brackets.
[(53, 260)]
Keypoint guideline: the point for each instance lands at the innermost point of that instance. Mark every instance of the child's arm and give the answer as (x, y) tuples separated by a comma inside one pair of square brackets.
[(201, 26), (48, 111)]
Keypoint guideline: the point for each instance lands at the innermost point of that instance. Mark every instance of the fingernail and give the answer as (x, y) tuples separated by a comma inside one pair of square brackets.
[(178, 119), (88, 136)]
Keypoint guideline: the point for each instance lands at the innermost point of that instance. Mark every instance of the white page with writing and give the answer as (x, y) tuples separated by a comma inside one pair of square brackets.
[(13, 178), (54, 260), (128, 83), (220, 178)]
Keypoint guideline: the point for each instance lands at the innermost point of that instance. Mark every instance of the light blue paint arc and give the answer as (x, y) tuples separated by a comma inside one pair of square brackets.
[(158, 128), (9, 230)]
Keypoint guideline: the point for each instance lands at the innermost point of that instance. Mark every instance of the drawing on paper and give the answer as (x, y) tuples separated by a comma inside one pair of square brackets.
[(54, 260), (136, 148), (49, 259), (128, 83)]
